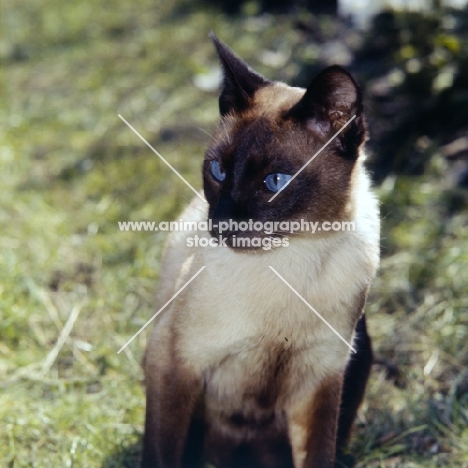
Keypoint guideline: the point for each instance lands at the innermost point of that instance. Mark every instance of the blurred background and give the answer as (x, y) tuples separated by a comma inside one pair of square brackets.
[(74, 288)]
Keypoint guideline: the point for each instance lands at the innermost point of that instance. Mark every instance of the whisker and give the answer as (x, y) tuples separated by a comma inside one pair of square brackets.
[(204, 131)]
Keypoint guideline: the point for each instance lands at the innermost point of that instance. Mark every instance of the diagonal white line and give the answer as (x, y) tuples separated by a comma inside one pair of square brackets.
[(312, 158), (162, 159), (161, 309), (312, 309)]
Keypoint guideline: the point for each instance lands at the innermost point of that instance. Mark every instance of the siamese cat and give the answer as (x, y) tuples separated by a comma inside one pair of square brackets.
[(239, 371)]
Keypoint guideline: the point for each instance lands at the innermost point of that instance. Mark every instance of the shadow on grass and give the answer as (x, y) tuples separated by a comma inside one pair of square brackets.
[(345, 460), (127, 456)]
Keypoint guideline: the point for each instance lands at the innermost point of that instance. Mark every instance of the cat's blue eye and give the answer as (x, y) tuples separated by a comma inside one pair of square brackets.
[(276, 182), (218, 174)]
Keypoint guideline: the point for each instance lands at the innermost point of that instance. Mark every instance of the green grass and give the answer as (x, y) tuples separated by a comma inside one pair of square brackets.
[(70, 169)]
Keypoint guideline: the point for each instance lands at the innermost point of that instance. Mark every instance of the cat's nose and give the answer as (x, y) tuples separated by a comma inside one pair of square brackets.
[(224, 211)]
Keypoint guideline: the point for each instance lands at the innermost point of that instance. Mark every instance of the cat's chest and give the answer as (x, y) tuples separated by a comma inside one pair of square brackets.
[(282, 287), (244, 309), (251, 373), (257, 374)]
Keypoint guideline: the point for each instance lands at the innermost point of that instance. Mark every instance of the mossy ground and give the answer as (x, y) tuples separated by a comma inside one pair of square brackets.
[(70, 169)]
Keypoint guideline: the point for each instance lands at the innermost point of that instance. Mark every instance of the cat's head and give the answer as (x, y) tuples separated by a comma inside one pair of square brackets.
[(268, 132)]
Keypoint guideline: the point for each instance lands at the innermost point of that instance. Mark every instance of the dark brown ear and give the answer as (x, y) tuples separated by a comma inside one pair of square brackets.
[(239, 81), (330, 101)]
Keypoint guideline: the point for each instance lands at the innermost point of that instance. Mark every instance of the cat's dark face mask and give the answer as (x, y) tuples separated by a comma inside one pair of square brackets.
[(268, 132)]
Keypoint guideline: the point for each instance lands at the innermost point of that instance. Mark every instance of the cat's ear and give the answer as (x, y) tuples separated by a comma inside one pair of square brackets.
[(330, 101), (239, 81)]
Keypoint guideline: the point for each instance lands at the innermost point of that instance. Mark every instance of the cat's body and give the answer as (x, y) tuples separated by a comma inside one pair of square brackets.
[(240, 372)]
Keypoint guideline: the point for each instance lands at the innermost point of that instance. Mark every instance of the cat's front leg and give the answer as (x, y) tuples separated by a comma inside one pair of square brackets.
[(171, 397), (312, 425)]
